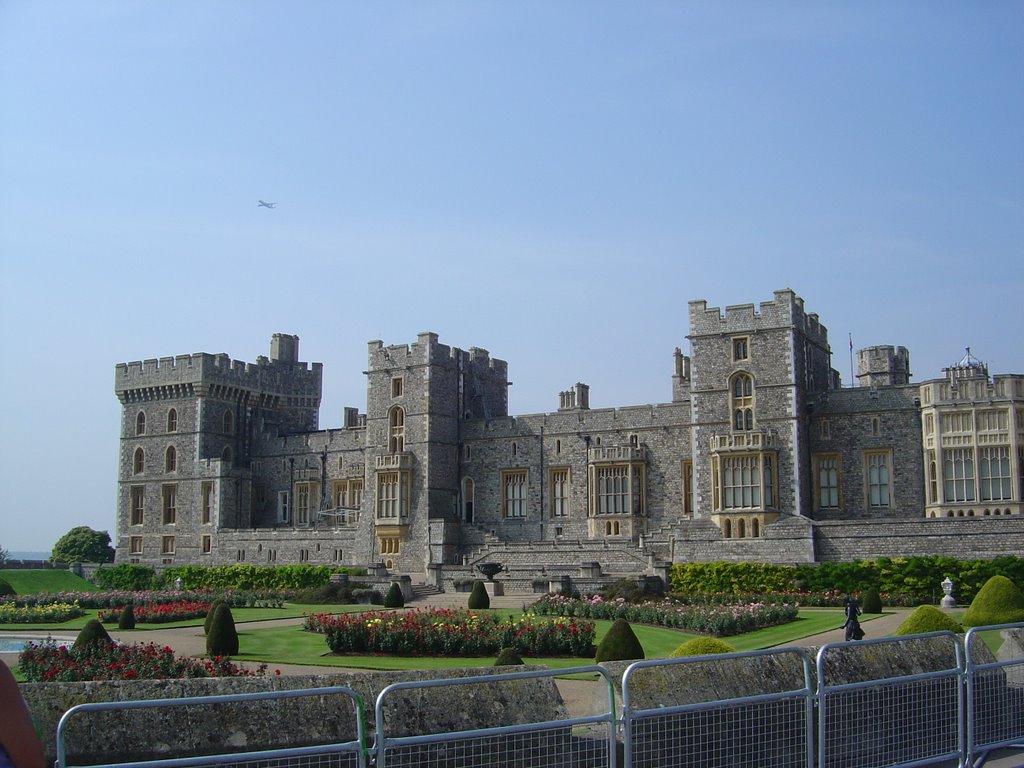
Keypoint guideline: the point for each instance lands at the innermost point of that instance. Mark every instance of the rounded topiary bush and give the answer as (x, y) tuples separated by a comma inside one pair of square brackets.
[(620, 644), (222, 639), (872, 601), (126, 619), (93, 633), (209, 615), (703, 646), (478, 598), (999, 601), (927, 618), (394, 598), (6, 588), (508, 657)]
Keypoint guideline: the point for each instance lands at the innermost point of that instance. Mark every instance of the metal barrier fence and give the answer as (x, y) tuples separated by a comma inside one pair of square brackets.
[(995, 695), (346, 754), (677, 712), (559, 742), (946, 701), (907, 719)]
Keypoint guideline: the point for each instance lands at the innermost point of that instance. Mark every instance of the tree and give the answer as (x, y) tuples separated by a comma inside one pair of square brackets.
[(83, 545), (4, 554)]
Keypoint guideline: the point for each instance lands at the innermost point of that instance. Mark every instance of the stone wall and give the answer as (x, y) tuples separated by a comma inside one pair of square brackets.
[(147, 734), (962, 538)]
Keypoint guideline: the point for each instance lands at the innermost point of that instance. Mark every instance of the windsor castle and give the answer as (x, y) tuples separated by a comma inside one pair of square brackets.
[(761, 455)]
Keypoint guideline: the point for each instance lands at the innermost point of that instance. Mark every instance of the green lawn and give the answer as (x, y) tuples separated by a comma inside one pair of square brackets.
[(291, 645), (289, 611), (30, 582)]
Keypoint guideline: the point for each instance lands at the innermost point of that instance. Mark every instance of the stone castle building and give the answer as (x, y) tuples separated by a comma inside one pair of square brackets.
[(761, 455)]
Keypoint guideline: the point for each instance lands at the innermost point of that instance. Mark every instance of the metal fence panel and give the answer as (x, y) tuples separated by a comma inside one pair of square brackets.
[(349, 753), (995, 691), (910, 718), (529, 742), (684, 712)]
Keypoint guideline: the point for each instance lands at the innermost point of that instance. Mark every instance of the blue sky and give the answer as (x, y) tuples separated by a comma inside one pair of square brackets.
[(552, 181)]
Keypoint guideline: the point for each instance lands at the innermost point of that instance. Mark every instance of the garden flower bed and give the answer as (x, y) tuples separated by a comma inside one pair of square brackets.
[(158, 613), (119, 598), (718, 620), (49, 613), (447, 632), (48, 662)]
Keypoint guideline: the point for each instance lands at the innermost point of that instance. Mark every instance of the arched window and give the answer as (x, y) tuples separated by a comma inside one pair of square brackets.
[(138, 461), (742, 393), (741, 528), (396, 431), (727, 529), (229, 422), (755, 528), (172, 420), (170, 459), (140, 423)]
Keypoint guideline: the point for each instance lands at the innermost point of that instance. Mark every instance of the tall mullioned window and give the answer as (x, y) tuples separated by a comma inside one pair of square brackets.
[(559, 481), (228, 422), (826, 481), (206, 491), (138, 502), (396, 430), (878, 473), (170, 505), (172, 420), (742, 391), (140, 423), (393, 489), (958, 475), (618, 489), (994, 472), (744, 481), (138, 461), (514, 484), (171, 459)]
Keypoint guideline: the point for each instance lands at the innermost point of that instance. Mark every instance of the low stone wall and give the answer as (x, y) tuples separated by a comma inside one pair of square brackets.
[(275, 723), (154, 733)]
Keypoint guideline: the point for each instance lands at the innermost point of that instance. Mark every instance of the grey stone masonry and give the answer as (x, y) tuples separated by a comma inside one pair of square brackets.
[(760, 455)]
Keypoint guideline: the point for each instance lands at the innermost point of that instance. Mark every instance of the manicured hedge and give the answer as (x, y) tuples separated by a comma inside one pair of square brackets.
[(918, 578), (241, 576)]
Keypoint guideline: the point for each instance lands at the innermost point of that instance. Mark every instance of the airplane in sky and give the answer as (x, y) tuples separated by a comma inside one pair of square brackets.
[(265, 204)]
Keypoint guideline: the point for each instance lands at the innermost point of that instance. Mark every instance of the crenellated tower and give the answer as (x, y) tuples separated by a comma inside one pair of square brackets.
[(187, 430)]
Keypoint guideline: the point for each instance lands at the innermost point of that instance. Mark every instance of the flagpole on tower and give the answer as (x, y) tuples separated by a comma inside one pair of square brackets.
[(852, 380)]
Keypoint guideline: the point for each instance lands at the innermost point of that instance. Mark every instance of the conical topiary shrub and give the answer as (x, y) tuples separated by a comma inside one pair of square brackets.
[(6, 588), (478, 598), (703, 646), (999, 601), (927, 618), (222, 639), (620, 644), (126, 619), (394, 598), (209, 615), (872, 601), (508, 657), (93, 633)]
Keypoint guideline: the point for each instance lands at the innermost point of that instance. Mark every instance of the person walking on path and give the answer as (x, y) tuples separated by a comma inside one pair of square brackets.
[(852, 625)]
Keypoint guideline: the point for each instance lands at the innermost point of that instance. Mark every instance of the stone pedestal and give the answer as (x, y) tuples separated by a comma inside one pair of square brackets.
[(494, 588)]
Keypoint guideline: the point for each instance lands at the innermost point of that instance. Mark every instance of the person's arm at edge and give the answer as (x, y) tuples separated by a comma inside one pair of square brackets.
[(17, 734)]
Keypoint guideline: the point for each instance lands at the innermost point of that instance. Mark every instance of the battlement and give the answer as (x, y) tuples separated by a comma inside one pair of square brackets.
[(785, 310), (426, 350), (279, 376), (883, 365)]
